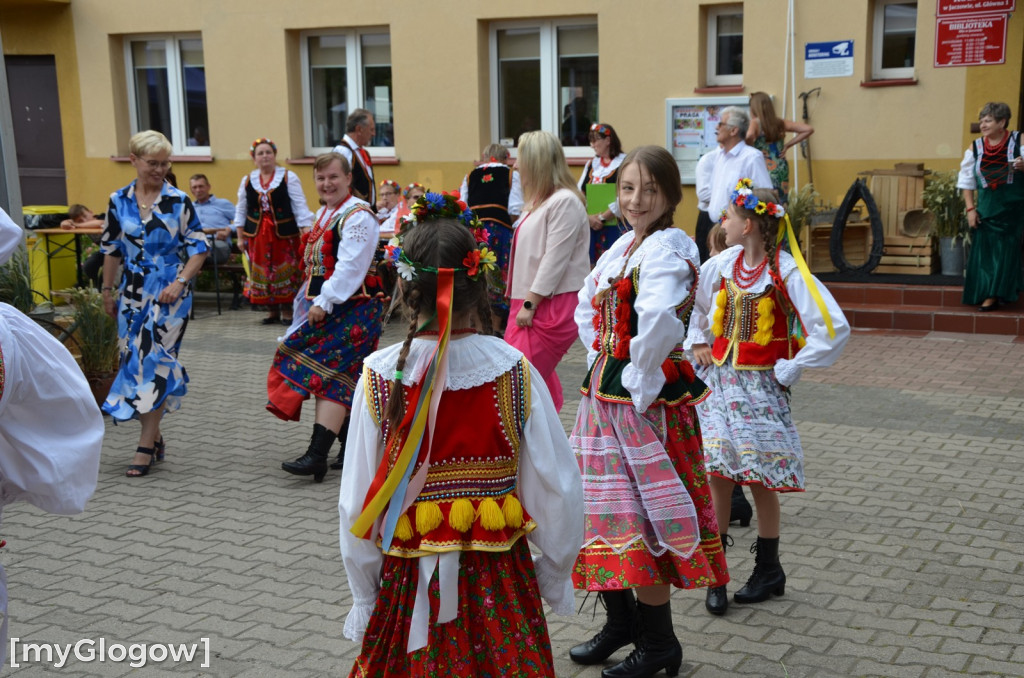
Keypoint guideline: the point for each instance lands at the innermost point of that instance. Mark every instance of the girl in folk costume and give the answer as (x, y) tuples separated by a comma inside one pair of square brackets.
[(603, 168), (455, 454), (649, 521), (760, 319), (323, 355)]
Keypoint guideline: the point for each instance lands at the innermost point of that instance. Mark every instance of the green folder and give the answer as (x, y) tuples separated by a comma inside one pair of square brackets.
[(599, 196)]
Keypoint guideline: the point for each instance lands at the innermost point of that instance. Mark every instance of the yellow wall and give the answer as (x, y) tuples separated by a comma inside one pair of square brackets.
[(650, 51)]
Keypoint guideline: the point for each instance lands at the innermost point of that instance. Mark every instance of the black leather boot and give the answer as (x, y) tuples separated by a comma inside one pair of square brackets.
[(741, 510), (314, 461), (717, 601), (616, 633), (767, 578), (342, 436), (656, 646)]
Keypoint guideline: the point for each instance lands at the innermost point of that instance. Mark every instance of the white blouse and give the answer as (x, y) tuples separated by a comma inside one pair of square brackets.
[(668, 262), (598, 173), (355, 254), (549, 480), (820, 350), (303, 217)]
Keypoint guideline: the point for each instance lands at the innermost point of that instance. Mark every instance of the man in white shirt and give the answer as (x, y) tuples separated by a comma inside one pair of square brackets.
[(359, 131), (731, 161)]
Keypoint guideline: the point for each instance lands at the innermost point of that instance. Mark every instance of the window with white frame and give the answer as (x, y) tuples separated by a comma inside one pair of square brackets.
[(167, 90), (725, 45), (544, 77), (343, 71), (894, 38)]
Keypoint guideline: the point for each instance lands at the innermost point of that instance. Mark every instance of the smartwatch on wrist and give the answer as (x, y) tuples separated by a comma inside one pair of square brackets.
[(528, 305)]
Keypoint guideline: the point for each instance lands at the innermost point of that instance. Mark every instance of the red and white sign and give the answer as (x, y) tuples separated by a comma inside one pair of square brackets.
[(959, 7), (970, 41)]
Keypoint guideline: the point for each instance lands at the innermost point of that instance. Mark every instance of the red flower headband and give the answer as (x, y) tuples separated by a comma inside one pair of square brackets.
[(262, 140), (407, 189), (601, 129), (390, 184)]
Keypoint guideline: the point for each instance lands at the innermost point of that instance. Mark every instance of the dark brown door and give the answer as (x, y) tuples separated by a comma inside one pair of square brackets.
[(35, 111)]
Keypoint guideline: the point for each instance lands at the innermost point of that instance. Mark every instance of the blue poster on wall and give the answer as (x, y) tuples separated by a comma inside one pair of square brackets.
[(828, 59)]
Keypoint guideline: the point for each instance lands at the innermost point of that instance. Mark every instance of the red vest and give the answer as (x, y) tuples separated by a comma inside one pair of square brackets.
[(755, 327)]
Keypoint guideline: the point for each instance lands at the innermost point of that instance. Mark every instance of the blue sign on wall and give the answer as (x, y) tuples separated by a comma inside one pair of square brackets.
[(828, 59)]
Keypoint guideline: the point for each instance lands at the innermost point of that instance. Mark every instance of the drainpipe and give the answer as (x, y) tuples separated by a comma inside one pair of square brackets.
[(10, 186)]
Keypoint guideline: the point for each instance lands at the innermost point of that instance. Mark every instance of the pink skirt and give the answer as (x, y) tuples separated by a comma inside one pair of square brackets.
[(548, 340)]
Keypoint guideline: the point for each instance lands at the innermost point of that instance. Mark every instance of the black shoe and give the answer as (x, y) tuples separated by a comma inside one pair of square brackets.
[(342, 437), (717, 600), (314, 461), (139, 470), (991, 307), (767, 579), (656, 646), (741, 510), (616, 633)]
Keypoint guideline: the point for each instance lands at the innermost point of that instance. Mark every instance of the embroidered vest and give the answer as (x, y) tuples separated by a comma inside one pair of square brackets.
[(470, 500), (362, 183), (755, 327), (1012, 151), (280, 205), (615, 324), (488, 189), (320, 255)]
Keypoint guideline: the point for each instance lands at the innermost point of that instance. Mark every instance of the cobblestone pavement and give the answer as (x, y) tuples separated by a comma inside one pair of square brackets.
[(904, 556)]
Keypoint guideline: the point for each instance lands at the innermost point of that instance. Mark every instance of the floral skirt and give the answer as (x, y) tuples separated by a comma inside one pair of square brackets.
[(602, 241), (274, 273), (622, 455), (749, 436), (499, 241), (500, 629), (324, 360)]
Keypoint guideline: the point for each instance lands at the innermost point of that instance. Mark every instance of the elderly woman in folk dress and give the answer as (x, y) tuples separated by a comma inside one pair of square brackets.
[(270, 216), (149, 225)]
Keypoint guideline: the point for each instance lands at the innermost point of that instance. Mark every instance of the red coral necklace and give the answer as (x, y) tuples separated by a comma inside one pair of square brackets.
[(745, 277)]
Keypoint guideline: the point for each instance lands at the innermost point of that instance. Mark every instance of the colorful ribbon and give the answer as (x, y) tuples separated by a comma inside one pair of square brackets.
[(805, 272)]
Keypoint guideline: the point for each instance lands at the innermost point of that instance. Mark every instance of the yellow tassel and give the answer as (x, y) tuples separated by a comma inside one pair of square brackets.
[(403, 530), (428, 516), (801, 342), (765, 321), (717, 327), (461, 515), (491, 517), (513, 511)]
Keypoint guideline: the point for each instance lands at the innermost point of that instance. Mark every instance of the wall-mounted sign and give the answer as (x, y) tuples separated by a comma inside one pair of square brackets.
[(828, 59), (958, 7), (970, 40), (690, 129)]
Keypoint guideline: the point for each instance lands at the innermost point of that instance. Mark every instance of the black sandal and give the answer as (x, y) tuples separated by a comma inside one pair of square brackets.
[(160, 449), (141, 469)]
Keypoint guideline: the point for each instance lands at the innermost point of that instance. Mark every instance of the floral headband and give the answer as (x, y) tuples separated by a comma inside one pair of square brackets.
[(408, 189), (389, 183), (601, 129), (743, 196), (441, 206), (262, 140)]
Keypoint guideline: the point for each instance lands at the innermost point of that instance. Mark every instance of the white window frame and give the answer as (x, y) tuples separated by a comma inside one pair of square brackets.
[(877, 72), (550, 118), (713, 79), (354, 81), (179, 132)]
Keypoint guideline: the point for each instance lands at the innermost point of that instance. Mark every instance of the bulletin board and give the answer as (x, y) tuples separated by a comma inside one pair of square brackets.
[(690, 128)]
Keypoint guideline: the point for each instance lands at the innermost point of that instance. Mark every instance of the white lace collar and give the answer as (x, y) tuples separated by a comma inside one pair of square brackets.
[(599, 171), (472, 360), (254, 180)]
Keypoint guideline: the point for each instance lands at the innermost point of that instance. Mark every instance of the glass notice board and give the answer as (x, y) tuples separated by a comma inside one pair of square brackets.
[(690, 128)]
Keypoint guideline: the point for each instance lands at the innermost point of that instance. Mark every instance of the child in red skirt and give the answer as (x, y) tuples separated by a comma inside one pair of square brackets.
[(455, 453)]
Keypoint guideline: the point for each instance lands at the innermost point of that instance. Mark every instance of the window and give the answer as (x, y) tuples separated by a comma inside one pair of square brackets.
[(167, 90), (725, 45), (343, 71), (544, 76), (895, 33)]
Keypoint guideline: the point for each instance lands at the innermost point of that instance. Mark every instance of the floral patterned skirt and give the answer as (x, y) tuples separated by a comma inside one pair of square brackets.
[(749, 436), (612, 558), (500, 629), (274, 266), (602, 241), (499, 241), (324, 360)]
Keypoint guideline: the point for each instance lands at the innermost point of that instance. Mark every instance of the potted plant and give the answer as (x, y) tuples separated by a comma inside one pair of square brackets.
[(96, 335), (942, 198)]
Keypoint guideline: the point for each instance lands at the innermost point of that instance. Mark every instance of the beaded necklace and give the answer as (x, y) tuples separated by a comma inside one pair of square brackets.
[(745, 277)]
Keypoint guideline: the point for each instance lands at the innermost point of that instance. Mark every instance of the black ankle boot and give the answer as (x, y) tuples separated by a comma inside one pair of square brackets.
[(314, 461), (616, 633), (656, 646), (717, 600), (741, 510), (767, 577), (342, 436)]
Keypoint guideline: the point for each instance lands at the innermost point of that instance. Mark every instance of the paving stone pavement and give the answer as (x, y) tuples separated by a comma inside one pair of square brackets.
[(904, 556)]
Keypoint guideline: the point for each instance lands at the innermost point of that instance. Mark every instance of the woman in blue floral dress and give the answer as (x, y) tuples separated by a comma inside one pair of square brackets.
[(149, 226)]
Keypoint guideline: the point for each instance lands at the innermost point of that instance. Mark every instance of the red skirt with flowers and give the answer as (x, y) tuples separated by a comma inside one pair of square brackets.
[(600, 568), (500, 629), (274, 274), (324, 360)]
